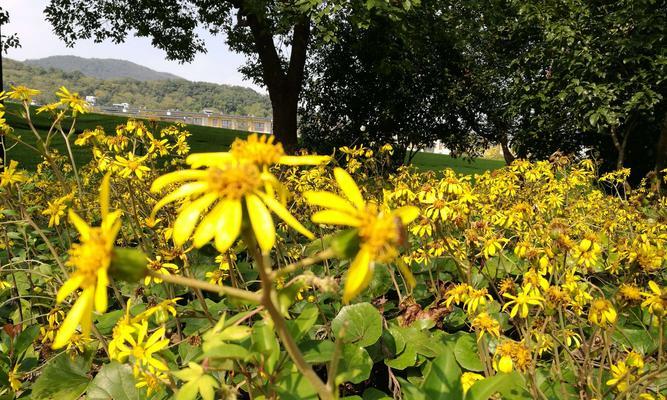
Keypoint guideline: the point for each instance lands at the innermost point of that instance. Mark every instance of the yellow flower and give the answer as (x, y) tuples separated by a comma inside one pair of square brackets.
[(475, 299), (510, 354), (14, 377), (484, 323), (91, 259), (22, 93), (160, 267), (131, 165), (526, 297), (5, 285), (55, 210), (602, 313), (379, 229), (491, 246), (587, 253), (258, 150), (621, 376), (10, 176), (231, 184), (140, 347), (468, 379), (72, 100), (656, 300), (152, 380)]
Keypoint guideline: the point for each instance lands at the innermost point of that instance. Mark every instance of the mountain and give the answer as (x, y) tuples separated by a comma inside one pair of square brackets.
[(102, 68), (174, 94)]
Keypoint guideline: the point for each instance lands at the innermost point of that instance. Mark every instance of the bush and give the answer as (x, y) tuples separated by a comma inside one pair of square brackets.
[(163, 274)]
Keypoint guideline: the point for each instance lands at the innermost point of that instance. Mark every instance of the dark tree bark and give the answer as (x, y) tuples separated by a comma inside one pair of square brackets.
[(507, 152), (284, 86), (661, 152)]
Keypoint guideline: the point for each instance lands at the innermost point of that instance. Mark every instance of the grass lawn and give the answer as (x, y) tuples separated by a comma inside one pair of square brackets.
[(203, 139)]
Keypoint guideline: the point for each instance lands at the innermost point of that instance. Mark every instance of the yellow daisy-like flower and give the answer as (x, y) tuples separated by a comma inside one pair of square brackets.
[(259, 150), (468, 379), (232, 189), (621, 376), (22, 93), (380, 230), (131, 165), (141, 348), (602, 312), (55, 210), (484, 323), (160, 267), (11, 176), (526, 297), (72, 100), (656, 300), (90, 258)]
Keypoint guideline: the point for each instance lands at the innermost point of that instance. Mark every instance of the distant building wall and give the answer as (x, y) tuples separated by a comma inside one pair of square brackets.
[(235, 122)]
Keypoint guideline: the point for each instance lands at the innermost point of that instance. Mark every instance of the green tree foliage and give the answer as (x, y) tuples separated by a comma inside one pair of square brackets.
[(394, 81), (164, 94), (275, 35), (599, 70)]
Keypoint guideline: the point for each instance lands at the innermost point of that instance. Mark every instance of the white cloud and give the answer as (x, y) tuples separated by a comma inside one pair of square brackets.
[(219, 65)]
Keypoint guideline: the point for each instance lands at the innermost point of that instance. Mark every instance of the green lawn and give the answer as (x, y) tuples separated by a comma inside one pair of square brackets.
[(432, 161), (203, 139)]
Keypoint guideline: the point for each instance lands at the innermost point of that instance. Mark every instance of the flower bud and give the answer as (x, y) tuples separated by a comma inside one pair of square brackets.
[(128, 265)]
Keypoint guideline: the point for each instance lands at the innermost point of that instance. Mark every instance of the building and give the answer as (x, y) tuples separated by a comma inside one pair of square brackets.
[(208, 117)]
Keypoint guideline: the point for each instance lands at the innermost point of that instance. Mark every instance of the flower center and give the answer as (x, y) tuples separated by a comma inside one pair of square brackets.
[(259, 150), (90, 256), (233, 181)]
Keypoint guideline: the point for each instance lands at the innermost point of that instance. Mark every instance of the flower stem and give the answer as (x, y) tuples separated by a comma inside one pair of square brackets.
[(263, 264), (209, 287)]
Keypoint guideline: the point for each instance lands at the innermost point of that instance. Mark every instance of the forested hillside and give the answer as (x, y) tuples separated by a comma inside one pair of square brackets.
[(106, 68), (157, 94)]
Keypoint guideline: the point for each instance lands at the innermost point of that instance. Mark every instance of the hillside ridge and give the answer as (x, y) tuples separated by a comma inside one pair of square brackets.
[(102, 68)]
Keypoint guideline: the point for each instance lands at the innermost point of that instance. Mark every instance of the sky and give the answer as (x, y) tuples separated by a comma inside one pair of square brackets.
[(27, 19)]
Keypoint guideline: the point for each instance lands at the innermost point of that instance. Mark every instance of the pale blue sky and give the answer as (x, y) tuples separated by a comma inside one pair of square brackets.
[(219, 65)]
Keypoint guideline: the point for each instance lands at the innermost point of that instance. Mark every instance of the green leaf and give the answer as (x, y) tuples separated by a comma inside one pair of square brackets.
[(292, 385), (300, 326), (317, 351), (466, 354), (358, 323), (355, 365), (224, 351), (25, 338), (442, 378), (510, 386), (63, 378), (265, 345), (374, 394), (114, 382)]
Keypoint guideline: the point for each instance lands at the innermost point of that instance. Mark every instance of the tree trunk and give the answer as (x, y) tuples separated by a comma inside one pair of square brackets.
[(661, 153), (507, 152), (284, 120), (620, 146), (284, 86)]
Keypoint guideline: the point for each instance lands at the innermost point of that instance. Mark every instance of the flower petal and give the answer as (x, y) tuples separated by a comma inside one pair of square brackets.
[(407, 214), (197, 160), (206, 229), (349, 188), (304, 160), (74, 317), (285, 215), (335, 217), (101, 291), (80, 225), (228, 225), (330, 201), (358, 276), (177, 176), (262, 222), (187, 219), (68, 287)]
